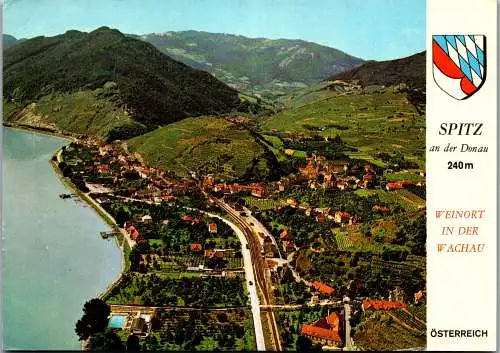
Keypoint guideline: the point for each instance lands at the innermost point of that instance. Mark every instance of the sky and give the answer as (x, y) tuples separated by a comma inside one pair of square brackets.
[(368, 29)]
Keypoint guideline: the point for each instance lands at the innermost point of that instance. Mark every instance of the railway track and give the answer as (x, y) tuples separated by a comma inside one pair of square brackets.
[(259, 270)]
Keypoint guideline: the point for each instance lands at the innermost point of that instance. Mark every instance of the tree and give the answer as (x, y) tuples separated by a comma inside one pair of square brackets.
[(106, 341), (122, 215), (133, 343), (303, 343), (94, 319)]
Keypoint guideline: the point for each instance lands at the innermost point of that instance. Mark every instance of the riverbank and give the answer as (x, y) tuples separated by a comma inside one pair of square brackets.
[(54, 259), (121, 242), (42, 130)]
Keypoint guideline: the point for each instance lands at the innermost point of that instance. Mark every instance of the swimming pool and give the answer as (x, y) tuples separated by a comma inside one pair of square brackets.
[(117, 321)]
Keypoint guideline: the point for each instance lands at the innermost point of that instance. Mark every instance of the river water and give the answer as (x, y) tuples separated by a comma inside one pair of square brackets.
[(53, 257)]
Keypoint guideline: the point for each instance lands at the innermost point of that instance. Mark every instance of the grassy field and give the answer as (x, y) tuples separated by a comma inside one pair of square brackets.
[(274, 140), (203, 144), (381, 120)]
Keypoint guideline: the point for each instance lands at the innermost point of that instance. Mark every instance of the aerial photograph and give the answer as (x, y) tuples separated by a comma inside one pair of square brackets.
[(213, 175)]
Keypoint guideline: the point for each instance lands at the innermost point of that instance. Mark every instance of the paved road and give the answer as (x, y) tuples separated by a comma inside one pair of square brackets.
[(347, 311), (258, 267), (250, 278), (259, 228), (130, 242)]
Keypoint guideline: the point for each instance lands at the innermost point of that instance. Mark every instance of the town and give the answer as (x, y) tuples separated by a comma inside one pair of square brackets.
[(179, 233)]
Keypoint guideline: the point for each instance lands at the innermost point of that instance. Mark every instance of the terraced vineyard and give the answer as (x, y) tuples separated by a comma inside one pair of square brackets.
[(420, 313), (408, 320), (404, 198), (203, 145), (344, 243), (377, 120), (404, 266), (410, 198), (417, 261), (354, 241)]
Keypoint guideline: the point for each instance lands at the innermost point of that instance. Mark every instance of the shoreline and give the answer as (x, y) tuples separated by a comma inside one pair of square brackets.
[(95, 207), (101, 213), (42, 131)]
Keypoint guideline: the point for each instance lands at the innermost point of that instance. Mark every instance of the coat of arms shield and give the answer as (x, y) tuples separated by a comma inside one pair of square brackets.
[(459, 63)]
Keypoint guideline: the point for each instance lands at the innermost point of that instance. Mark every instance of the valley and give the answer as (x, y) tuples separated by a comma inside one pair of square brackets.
[(262, 201)]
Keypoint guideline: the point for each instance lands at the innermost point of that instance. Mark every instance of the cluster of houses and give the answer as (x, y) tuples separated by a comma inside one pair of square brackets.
[(110, 161), (257, 190), (286, 237), (322, 214), (329, 170)]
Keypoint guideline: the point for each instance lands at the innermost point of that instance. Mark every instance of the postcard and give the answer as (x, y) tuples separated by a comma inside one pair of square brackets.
[(251, 175)]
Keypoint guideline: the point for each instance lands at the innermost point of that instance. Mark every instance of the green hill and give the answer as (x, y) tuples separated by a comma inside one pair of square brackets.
[(83, 82), (256, 66), (203, 145), (409, 70), (372, 110)]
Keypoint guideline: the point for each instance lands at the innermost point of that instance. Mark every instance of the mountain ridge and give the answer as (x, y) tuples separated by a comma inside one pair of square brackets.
[(257, 66), (409, 70), (151, 87)]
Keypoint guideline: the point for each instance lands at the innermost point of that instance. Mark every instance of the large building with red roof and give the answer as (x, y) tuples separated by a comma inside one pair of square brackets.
[(322, 288), (327, 330), (377, 304)]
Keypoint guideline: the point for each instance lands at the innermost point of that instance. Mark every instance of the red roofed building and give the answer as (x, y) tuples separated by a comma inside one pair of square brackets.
[(327, 330), (368, 179), (321, 218), (322, 288), (342, 217), (212, 228), (134, 234), (258, 191), (187, 218), (380, 209), (398, 185), (286, 235), (376, 304), (209, 253), (196, 247), (102, 168), (169, 198), (289, 246), (394, 186)]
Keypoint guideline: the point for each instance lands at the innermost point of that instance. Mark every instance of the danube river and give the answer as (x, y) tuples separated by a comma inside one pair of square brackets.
[(53, 257)]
